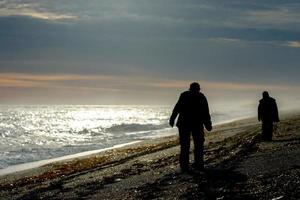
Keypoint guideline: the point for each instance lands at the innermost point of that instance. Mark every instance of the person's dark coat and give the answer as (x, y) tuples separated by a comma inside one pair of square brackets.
[(193, 111), (267, 110)]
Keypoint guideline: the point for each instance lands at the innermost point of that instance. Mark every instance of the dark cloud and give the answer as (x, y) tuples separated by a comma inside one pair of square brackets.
[(215, 40)]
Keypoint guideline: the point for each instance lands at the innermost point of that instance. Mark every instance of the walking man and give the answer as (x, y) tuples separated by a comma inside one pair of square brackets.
[(193, 111), (267, 113)]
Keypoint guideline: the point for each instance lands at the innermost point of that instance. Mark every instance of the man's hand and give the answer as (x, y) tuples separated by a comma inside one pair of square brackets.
[(171, 122), (208, 127)]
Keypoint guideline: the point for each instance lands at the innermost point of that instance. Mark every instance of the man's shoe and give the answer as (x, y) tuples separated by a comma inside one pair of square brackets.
[(198, 167), (185, 170)]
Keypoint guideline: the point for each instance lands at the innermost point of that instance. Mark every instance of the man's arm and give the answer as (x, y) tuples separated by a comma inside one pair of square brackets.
[(276, 117), (259, 112), (176, 111), (207, 118)]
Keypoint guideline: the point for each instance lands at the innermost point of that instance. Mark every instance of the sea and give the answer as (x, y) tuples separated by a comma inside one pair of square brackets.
[(31, 133)]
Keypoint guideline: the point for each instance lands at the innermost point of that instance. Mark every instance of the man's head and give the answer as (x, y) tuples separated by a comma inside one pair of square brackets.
[(194, 87), (265, 94)]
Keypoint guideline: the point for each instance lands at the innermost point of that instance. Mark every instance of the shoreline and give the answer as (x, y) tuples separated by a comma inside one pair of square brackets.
[(40, 163), (44, 167), (150, 169)]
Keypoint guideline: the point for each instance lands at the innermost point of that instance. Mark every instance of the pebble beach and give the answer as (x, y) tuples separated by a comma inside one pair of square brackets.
[(238, 165)]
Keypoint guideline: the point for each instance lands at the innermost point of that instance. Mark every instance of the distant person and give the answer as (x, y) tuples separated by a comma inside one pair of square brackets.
[(193, 111), (267, 113)]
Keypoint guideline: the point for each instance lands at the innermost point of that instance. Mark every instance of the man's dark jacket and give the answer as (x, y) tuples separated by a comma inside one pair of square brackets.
[(267, 110), (193, 111)]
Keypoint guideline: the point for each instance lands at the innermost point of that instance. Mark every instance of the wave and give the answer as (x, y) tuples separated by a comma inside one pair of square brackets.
[(128, 128)]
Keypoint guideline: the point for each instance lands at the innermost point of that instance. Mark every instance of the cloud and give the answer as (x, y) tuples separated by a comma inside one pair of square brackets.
[(279, 17), (226, 86), (224, 39), (105, 89), (220, 41), (92, 82), (31, 9), (293, 44), (44, 15), (40, 80), (72, 82)]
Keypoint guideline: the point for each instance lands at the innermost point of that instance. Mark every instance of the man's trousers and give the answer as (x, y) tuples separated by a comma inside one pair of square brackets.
[(184, 139)]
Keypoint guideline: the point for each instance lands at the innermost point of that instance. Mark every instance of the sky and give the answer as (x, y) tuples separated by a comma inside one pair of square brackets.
[(147, 52)]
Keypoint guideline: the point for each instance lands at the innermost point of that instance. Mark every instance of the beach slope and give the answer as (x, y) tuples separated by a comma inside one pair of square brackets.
[(238, 165)]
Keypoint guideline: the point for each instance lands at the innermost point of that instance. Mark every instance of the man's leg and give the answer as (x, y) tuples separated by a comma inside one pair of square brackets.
[(267, 130), (270, 131), (198, 138), (184, 139)]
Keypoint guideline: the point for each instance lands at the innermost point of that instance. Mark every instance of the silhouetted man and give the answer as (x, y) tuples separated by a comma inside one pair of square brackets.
[(193, 112), (267, 113)]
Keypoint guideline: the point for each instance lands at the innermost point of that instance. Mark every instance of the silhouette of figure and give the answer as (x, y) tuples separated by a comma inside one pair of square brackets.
[(267, 113), (193, 111)]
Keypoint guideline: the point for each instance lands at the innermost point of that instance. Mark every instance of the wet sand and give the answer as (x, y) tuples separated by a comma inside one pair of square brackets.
[(238, 166)]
